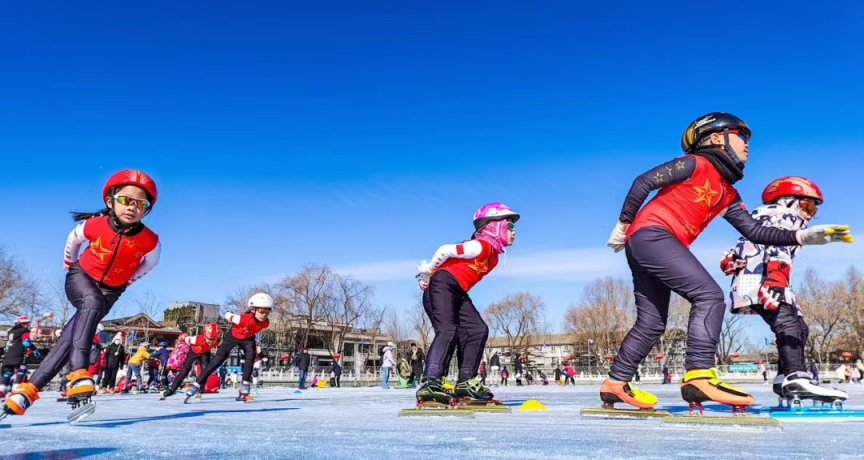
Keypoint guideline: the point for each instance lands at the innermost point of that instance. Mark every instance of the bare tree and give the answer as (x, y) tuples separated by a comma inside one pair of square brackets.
[(732, 338), (306, 294), (56, 300), (518, 317), (150, 306), (822, 302), (603, 315), (421, 326), (397, 327), (853, 310), (19, 294), (372, 324), (348, 301)]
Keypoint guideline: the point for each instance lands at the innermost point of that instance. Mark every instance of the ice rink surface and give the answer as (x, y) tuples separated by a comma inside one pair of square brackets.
[(362, 423)]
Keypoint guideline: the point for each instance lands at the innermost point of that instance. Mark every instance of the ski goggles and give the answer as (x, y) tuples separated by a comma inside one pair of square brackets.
[(127, 200), (263, 311), (740, 135), (808, 205), (511, 226)]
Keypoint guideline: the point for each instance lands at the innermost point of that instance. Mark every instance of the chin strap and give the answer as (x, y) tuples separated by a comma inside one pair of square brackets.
[(730, 151)]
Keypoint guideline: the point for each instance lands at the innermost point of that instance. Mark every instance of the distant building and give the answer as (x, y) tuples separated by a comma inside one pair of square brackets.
[(137, 329), (557, 349), (190, 317)]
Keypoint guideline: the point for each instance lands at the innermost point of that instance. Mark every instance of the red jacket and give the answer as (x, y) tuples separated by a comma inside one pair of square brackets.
[(469, 272), (112, 257), (200, 346), (245, 325)]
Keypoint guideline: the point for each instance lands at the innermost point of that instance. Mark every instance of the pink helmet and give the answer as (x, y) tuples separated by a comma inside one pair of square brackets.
[(490, 221), (22, 320)]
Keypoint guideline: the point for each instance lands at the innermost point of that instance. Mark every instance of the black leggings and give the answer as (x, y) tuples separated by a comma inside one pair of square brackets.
[(92, 301), (662, 265), (791, 332), (248, 347), (191, 357), (455, 320)]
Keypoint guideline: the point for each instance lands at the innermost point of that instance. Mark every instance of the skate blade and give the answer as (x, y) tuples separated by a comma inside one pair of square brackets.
[(728, 420), (493, 402), (813, 412), (437, 412), (623, 413), (81, 413), (487, 408)]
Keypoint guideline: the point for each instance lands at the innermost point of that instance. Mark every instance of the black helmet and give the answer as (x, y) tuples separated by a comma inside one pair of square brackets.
[(711, 123)]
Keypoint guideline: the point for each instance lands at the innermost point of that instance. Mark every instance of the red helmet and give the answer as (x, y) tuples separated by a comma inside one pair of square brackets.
[(211, 331), (791, 186), (131, 177), (22, 320)]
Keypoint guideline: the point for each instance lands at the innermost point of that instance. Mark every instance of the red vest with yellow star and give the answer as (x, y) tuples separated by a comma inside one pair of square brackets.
[(469, 272), (686, 208), (111, 258)]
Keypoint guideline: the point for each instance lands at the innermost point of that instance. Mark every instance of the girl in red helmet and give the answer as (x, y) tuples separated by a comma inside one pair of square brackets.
[(199, 350), (762, 284), (118, 250)]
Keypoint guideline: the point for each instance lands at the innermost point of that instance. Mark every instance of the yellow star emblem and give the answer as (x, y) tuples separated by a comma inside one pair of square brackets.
[(704, 193), (139, 254), (679, 166), (97, 249), (131, 244), (479, 266), (669, 171), (118, 270), (658, 178)]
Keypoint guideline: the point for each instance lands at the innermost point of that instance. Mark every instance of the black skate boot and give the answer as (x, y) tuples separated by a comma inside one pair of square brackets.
[(166, 394), (433, 394), (191, 391), (777, 386), (471, 391), (800, 385)]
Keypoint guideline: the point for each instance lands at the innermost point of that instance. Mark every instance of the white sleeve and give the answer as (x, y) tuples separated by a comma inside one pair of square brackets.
[(150, 260), (232, 318), (467, 250), (190, 340), (73, 245)]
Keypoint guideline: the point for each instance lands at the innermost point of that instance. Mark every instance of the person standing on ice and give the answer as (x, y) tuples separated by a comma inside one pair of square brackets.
[(197, 348), (115, 356), (17, 345), (243, 330), (762, 284), (693, 190), (445, 281), (388, 362), (119, 250)]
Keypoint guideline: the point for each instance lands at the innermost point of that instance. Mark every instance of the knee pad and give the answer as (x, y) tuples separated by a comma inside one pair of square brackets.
[(7, 375)]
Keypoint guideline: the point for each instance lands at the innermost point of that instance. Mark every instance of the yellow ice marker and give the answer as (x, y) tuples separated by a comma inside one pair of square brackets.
[(532, 404)]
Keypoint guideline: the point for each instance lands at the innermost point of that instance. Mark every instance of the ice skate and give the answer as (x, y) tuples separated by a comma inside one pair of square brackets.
[(244, 393), (777, 386), (473, 395), (192, 391), (612, 392), (166, 394), (21, 399), (700, 385), (79, 391), (434, 399), (800, 386)]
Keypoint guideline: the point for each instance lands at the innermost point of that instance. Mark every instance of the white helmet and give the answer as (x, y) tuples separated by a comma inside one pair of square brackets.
[(100, 327), (261, 300)]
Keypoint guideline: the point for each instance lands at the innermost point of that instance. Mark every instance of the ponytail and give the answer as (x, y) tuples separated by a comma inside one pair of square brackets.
[(79, 216)]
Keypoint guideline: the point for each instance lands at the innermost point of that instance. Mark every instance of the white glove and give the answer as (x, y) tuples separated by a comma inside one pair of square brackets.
[(824, 234), (425, 272), (619, 234)]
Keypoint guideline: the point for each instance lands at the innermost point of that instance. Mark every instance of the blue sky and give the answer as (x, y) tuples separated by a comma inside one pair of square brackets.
[(364, 135)]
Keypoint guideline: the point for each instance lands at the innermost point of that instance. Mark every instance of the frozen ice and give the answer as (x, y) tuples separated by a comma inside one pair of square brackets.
[(362, 423)]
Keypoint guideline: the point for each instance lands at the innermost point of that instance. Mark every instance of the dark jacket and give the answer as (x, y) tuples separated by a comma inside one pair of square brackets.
[(223, 371), (161, 354), (517, 365), (418, 362), (115, 356), (557, 374), (337, 369), (303, 360), (495, 361), (18, 342)]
